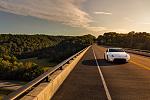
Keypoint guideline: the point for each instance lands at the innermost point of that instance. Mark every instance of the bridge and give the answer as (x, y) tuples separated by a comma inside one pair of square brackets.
[(87, 76)]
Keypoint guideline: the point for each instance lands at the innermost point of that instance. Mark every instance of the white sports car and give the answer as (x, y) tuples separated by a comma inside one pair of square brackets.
[(116, 54)]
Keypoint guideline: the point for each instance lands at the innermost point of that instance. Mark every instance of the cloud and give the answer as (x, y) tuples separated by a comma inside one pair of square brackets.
[(145, 23), (119, 30), (65, 11), (136, 22), (96, 29), (128, 19), (102, 13)]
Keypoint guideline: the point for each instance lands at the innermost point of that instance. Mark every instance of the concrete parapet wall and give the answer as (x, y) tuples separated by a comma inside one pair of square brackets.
[(46, 90), (138, 53)]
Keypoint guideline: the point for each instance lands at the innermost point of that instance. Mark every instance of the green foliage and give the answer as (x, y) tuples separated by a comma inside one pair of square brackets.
[(12, 69), (22, 44), (139, 40), (66, 48), (55, 48)]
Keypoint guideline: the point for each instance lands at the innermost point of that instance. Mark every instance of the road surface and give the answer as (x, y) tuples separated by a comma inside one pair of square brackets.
[(129, 81)]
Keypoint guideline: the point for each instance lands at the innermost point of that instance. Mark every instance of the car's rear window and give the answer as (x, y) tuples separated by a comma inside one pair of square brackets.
[(116, 50)]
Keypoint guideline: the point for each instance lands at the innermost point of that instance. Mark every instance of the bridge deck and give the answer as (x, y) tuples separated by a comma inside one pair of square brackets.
[(84, 82), (130, 81)]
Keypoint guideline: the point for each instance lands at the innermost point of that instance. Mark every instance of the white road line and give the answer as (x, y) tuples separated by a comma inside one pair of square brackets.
[(102, 77)]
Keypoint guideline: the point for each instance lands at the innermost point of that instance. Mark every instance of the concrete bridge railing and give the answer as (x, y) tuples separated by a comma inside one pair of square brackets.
[(139, 52), (39, 89)]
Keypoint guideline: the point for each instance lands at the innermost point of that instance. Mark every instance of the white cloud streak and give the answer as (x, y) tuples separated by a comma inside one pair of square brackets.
[(128, 19), (102, 13), (136, 22), (145, 23), (97, 29), (119, 30), (65, 11)]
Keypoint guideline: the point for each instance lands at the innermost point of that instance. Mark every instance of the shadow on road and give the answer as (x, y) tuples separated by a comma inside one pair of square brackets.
[(101, 62)]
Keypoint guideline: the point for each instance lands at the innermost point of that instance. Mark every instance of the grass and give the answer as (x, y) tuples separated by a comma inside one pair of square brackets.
[(4, 92), (44, 63), (41, 62), (1, 97)]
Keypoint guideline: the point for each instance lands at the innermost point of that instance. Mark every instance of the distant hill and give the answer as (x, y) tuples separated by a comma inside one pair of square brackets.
[(53, 48), (135, 40)]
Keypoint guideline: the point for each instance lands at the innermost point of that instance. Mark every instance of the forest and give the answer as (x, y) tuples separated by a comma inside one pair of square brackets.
[(13, 48), (134, 40)]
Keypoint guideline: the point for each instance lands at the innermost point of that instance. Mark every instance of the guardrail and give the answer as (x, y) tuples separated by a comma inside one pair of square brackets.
[(135, 51), (44, 76), (138, 51), (147, 51)]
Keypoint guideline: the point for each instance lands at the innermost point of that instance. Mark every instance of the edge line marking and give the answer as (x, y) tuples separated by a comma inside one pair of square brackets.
[(102, 77)]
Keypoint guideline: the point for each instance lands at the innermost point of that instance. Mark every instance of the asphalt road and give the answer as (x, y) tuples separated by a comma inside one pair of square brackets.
[(129, 81)]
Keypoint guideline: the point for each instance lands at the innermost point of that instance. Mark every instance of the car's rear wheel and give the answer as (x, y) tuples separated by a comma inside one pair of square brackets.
[(108, 59), (104, 57)]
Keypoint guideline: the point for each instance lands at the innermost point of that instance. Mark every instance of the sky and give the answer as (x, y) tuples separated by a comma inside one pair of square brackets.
[(74, 17)]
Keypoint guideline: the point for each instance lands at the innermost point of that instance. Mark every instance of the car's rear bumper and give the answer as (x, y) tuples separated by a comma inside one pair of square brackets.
[(119, 59)]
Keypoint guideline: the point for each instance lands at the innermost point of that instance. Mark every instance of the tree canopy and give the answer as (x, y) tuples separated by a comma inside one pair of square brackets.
[(136, 40), (55, 48)]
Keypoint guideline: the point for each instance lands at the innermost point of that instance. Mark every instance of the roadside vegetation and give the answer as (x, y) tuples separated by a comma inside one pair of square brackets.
[(17, 50), (135, 40)]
